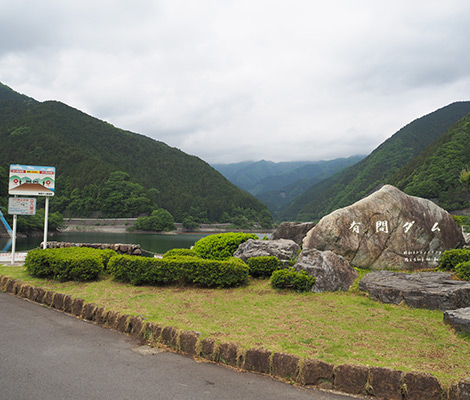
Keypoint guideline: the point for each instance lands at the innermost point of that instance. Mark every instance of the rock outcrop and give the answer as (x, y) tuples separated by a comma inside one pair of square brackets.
[(285, 250), (292, 230), (332, 272), (387, 230), (431, 290)]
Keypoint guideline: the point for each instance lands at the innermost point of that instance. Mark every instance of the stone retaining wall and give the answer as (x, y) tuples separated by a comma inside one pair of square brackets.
[(382, 383), (120, 248)]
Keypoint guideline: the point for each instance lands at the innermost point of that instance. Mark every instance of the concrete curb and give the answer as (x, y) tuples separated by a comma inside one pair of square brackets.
[(381, 383)]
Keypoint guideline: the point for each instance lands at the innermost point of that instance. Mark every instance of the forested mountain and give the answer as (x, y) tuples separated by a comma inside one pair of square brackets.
[(357, 181), (434, 174), (105, 171), (277, 184), (248, 174)]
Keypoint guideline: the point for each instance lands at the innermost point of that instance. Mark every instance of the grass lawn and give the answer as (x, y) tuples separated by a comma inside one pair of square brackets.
[(345, 327)]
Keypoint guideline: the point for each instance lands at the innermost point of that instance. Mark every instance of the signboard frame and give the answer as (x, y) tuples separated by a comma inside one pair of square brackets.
[(31, 180)]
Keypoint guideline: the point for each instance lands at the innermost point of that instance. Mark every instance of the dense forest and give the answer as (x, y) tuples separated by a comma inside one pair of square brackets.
[(435, 173), (384, 164), (103, 171)]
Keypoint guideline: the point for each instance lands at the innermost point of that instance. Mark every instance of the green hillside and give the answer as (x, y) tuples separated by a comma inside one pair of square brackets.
[(357, 181), (105, 171), (434, 174)]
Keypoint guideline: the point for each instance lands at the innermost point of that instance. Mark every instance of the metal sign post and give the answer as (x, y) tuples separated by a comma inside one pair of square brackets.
[(46, 219), (13, 243)]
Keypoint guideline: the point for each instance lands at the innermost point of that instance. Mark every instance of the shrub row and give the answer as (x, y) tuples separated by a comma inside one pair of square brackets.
[(462, 270), (458, 261), (221, 246), (451, 258), (158, 271), (180, 253), (68, 264)]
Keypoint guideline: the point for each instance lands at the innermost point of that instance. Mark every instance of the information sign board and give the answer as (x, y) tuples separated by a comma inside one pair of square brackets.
[(27, 180), (4, 257), (22, 206)]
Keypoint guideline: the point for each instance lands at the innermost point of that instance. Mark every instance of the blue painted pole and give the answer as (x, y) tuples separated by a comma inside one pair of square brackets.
[(5, 223)]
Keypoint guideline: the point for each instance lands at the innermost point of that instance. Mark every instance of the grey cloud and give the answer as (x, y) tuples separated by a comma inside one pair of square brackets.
[(243, 80)]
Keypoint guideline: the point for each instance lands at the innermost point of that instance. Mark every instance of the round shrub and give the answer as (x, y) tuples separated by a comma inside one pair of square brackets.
[(462, 270), (292, 279), (263, 266), (65, 264), (221, 246), (451, 258)]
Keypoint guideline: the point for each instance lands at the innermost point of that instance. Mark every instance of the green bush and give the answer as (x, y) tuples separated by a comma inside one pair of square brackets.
[(292, 279), (106, 255), (160, 220), (462, 220), (66, 264), (462, 270), (451, 258), (263, 266), (180, 253), (221, 246), (184, 269)]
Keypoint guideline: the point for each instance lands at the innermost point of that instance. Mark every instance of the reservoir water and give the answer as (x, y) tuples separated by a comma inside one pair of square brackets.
[(156, 243)]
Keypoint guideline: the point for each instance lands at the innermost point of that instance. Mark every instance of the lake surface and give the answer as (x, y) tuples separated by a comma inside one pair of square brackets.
[(156, 243)]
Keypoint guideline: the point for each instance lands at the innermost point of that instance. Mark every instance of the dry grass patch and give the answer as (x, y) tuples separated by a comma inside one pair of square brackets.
[(333, 327)]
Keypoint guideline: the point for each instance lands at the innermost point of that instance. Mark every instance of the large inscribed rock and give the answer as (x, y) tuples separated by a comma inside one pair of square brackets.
[(387, 230)]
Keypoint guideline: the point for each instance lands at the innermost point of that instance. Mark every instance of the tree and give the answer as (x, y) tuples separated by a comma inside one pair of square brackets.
[(160, 220), (190, 224), (465, 177), (120, 197)]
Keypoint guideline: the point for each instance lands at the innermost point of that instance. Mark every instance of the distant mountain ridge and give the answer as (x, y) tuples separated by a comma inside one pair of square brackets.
[(380, 167), (104, 169), (277, 184)]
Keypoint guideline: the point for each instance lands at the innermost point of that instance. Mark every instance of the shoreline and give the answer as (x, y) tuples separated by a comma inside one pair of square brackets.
[(121, 225)]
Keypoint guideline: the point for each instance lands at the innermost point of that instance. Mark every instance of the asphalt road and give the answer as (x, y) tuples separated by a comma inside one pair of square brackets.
[(46, 354)]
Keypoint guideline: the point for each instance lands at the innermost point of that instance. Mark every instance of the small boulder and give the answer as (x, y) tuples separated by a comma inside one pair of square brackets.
[(283, 249), (459, 319), (292, 230), (332, 272)]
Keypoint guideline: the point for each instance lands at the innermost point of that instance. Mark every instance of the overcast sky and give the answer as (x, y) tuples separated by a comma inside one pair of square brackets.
[(243, 80)]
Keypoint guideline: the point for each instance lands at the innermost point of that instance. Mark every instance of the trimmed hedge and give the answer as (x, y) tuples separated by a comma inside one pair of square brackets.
[(180, 253), (221, 246), (192, 270), (451, 258), (263, 266), (67, 264), (291, 279)]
